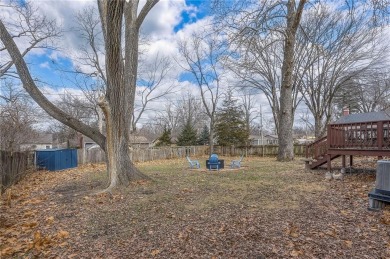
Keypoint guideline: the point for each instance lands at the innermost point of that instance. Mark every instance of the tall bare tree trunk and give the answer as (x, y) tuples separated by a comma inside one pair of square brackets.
[(211, 136), (318, 126), (285, 133), (119, 100), (100, 120)]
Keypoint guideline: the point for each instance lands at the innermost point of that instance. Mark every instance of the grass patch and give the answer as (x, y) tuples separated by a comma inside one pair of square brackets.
[(261, 184), (263, 209)]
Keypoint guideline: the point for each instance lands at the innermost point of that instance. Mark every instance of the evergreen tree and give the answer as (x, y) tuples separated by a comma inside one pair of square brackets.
[(203, 138), (187, 136), (165, 138), (230, 125)]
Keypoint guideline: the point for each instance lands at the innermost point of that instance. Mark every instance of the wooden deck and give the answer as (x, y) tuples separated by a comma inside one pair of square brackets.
[(370, 138)]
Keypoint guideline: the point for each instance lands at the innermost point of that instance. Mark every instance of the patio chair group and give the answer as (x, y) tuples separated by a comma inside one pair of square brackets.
[(214, 163)]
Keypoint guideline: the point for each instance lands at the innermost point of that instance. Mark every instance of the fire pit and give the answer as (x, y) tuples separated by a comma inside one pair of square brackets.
[(214, 163)]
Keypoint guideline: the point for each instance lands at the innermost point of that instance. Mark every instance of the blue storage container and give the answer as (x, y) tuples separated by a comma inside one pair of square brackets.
[(56, 159)]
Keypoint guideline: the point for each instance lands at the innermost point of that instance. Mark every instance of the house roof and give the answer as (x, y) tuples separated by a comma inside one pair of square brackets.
[(88, 139), (138, 139), (42, 138), (133, 139), (267, 136), (363, 117)]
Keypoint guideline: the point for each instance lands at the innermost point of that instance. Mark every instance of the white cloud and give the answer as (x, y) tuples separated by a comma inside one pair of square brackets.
[(56, 94), (45, 65), (159, 26), (163, 18)]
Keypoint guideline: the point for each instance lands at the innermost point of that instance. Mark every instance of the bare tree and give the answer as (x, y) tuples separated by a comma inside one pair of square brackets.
[(190, 110), (17, 117), (286, 118), (152, 85), (257, 29), (342, 48), (177, 113), (91, 47), (368, 92), (259, 67), (29, 29), (168, 118), (203, 56), (248, 106), (374, 92), (151, 79), (118, 102), (77, 107)]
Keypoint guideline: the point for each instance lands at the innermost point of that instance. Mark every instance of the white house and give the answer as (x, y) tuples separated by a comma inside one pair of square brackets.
[(40, 141), (263, 140)]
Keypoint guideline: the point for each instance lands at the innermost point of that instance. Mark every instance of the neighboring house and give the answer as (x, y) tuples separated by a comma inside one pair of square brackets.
[(304, 141), (87, 142), (140, 142), (136, 142), (263, 140), (154, 143), (40, 141), (256, 140)]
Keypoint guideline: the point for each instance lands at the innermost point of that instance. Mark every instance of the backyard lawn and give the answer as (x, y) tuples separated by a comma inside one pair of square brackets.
[(265, 209)]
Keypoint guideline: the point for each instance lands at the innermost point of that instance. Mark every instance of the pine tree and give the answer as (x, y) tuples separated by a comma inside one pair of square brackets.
[(230, 125), (187, 136), (165, 138), (203, 138)]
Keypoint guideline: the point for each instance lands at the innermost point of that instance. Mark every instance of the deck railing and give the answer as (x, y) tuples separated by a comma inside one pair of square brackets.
[(317, 149), (365, 135)]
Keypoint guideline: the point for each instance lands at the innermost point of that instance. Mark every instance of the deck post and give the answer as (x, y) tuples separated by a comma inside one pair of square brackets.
[(329, 136), (343, 161), (328, 145), (380, 134), (350, 160), (329, 163), (307, 151)]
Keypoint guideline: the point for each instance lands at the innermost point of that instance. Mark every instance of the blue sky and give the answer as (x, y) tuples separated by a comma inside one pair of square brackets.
[(49, 71), (165, 25), (56, 72), (53, 71), (188, 18)]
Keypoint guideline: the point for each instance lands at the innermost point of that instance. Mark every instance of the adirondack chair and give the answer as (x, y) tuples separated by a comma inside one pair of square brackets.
[(214, 163), (237, 163), (193, 163)]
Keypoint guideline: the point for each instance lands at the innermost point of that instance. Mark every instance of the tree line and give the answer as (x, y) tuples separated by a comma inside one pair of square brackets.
[(322, 55)]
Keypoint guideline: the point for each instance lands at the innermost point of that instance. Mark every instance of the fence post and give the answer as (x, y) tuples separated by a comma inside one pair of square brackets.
[(13, 167)]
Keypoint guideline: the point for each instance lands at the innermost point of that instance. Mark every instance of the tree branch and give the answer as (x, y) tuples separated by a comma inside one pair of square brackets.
[(36, 94), (145, 10)]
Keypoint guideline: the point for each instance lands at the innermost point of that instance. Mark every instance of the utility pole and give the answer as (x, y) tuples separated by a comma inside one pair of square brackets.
[(261, 129)]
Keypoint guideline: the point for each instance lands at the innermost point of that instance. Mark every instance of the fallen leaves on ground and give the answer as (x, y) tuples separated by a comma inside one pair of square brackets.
[(270, 210)]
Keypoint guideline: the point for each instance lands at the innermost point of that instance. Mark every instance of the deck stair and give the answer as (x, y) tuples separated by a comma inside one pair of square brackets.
[(364, 134), (317, 151)]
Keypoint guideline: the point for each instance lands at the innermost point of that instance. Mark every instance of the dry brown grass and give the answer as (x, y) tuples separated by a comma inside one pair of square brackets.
[(264, 209)]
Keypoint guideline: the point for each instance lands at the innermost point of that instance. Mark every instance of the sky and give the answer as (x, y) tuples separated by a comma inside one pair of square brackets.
[(168, 22)]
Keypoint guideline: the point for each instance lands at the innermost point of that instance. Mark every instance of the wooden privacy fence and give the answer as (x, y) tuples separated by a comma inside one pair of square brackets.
[(266, 150), (142, 155), (96, 155), (13, 167)]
